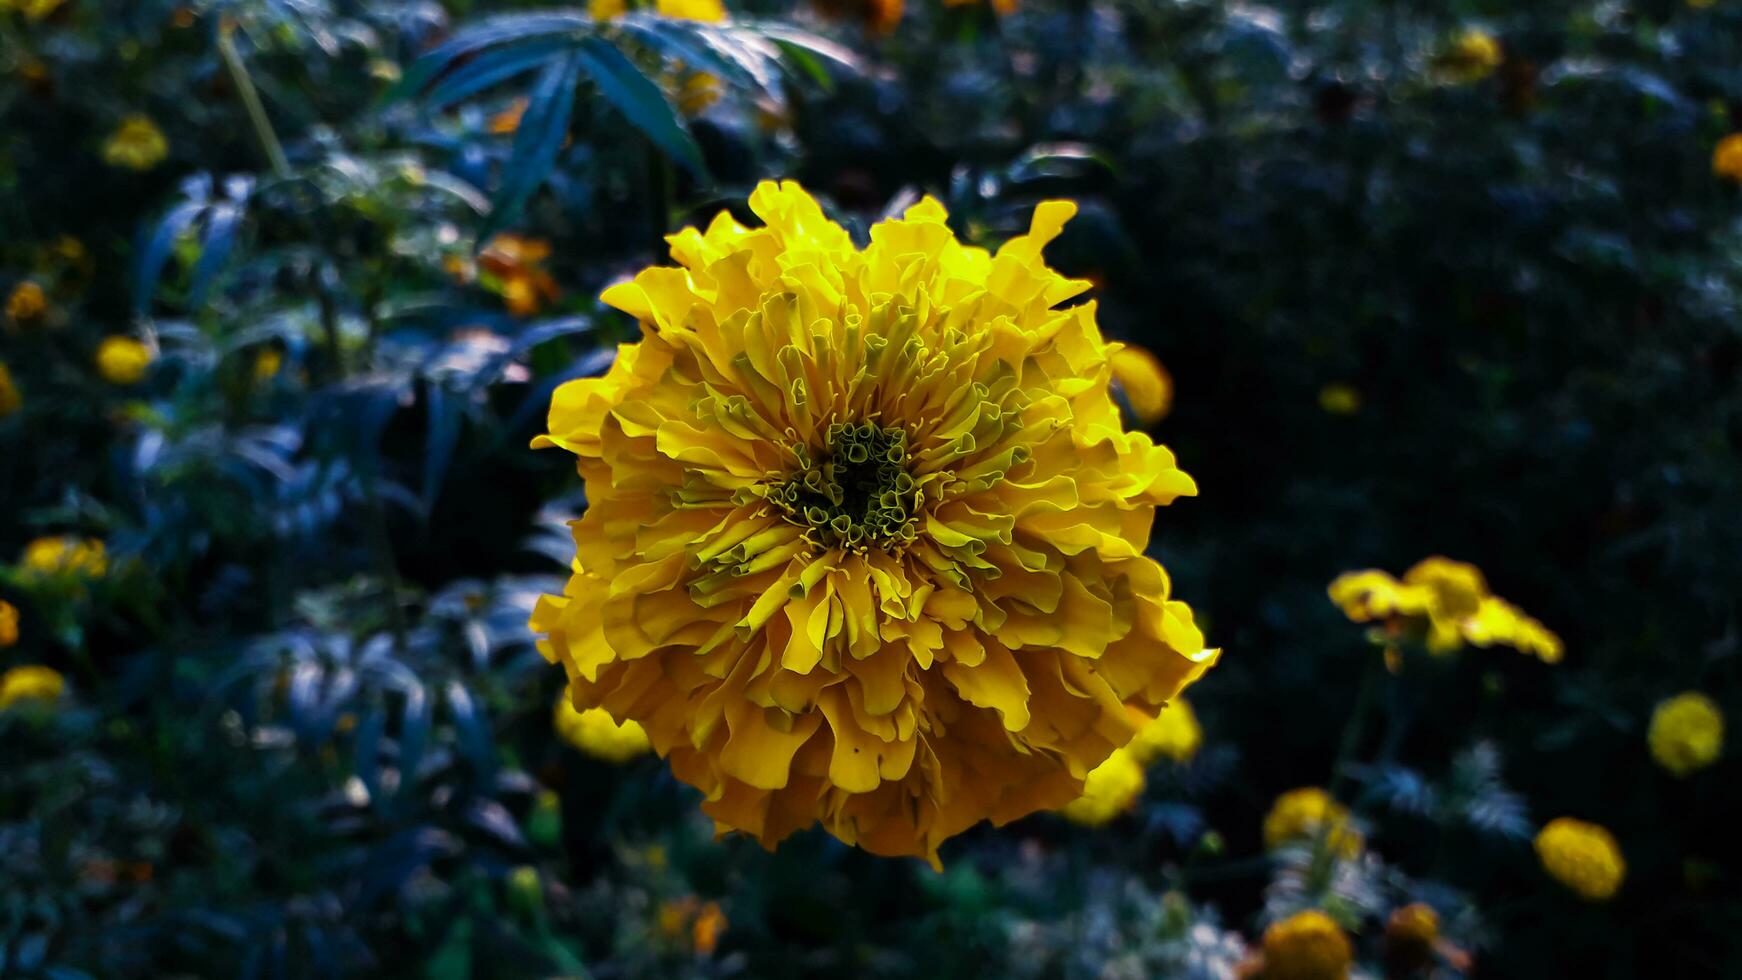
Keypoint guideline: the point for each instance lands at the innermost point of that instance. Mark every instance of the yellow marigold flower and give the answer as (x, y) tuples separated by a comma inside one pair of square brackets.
[(10, 400), (865, 539), (27, 303), (122, 360), (1449, 601), (65, 555), (8, 623), (507, 121), (597, 734), (606, 9), (1472, 57), (1305, 814), (1727, 157), (32, 10), (137, 145), (514, 266), (1111, 789), (1687, 733), (705, 10), (1174, 734), (1307, 946), (30, 683), (268, 363), (1582, 856), (1340, 399), (1371, 595), (1145, 382)]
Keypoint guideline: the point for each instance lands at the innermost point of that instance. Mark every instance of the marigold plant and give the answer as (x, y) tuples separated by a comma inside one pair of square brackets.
[(1173, 734), (1448, 603), (123, 360), (1306, 946), (1582, 856), (1306, 814), (865, 537), (1687, 733), (30, 683)]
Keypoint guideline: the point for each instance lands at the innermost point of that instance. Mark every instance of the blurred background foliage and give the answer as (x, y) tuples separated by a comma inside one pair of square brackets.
[(288, 284)]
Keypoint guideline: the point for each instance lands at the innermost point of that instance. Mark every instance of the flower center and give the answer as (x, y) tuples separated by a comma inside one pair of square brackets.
[(858, 495)]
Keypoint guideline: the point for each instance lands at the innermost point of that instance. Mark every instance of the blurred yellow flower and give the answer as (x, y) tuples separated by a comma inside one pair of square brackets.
[(606, 9), (1449, 602), (1582, 856), (1172, 734), (701, 923), (865, 537), (597, 734), (704, 10), (507, 121), (1687, 733), (27, 303), (697, 92), (122, 360), (1306, 946), (10, 400), (30, 683), (1145, 381), (1472, 57), (1000, 7), (65, 555), (137, 145), (32, 9), (8, 623), (878, 16), (1306, 814), (1727, 157), (1340, 399), (267, 363), (1111, 789), (514, 267)]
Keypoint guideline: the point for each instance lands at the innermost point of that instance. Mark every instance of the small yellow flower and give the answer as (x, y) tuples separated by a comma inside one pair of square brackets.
[(27, 304), (606, 9), (1145, 381), (703, 10), (267, 364), (8, 623), (137, 145), (30, 683), (1111, 789), (1473, 57), (1307, 813), (65, 555), (1307, 946), (507, 122), (706, 931), (1174, 734), (596, 733), (701, 923), (1727, 157), (1449, 602), (122, 360), (1340, 399), (10, 400), (1582, 856), (1687, 733), (33, 10)]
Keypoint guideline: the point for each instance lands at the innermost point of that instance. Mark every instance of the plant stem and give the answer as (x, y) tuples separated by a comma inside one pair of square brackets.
[(251, 100)]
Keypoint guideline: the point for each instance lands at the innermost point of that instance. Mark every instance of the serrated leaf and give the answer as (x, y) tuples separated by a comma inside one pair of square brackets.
[(538, 140), (640, 101)]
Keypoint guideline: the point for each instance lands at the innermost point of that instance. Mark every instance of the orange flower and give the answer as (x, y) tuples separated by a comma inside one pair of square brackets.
[(514, 267)]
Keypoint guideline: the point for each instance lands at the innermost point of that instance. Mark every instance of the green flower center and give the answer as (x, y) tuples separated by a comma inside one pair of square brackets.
[(858, 495)]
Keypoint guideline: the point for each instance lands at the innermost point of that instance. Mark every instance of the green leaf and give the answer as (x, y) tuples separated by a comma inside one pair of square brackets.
[(537, 142), (641, 102)]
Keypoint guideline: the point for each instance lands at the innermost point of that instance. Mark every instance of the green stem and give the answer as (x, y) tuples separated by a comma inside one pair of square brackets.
[(251, 101)]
